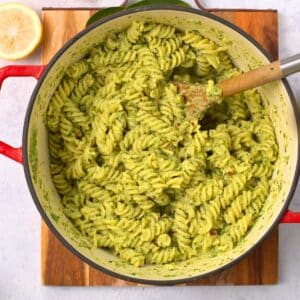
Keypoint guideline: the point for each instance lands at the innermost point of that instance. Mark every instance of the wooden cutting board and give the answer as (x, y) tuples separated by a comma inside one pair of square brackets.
[(59, 265)]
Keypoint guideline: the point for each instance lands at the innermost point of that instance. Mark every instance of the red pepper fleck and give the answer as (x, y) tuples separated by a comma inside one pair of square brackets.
[(213, 232)]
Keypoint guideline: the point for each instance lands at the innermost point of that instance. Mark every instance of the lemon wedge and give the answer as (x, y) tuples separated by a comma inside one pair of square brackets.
[(20, 31)]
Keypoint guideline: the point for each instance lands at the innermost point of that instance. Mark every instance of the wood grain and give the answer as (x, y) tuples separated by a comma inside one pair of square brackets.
[(59, 265), (263, 26), (59, 26), (252, 79)]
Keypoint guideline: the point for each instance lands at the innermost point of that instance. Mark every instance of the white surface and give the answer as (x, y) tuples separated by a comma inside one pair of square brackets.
[(20, 221)]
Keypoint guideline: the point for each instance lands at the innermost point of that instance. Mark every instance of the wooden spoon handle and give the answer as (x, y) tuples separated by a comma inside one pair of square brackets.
[(251, 79)]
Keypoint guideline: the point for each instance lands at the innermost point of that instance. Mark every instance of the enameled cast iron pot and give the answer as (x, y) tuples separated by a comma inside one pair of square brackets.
[(246, 54)]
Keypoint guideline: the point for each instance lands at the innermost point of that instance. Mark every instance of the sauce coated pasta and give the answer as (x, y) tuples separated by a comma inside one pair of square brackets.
[(135, 174)]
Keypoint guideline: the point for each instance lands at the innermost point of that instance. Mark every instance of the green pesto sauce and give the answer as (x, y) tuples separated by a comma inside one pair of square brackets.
[(33, 158), (33, 155)]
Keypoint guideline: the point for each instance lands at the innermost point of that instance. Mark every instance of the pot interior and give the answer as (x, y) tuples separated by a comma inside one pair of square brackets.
[(245, 55)]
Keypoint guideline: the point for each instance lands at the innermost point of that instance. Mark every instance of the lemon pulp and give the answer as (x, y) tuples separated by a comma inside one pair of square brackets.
[(20, 32)]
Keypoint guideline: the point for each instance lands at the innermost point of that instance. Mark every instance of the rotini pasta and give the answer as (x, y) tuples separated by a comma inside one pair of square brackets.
[(135, 175)]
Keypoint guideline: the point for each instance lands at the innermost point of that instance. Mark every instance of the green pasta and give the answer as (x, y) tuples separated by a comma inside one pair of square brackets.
[(135, 174)]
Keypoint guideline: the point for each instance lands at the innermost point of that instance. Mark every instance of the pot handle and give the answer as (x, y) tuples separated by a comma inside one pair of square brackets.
[(17, 71), (290, 217)]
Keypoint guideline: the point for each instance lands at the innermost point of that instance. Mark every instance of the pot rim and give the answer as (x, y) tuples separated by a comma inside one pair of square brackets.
[(26, 154)]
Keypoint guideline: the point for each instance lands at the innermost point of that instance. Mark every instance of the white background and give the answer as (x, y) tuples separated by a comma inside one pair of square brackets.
[(20, 221)]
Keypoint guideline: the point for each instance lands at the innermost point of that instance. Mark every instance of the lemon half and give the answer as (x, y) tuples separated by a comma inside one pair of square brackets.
[(20, 31)]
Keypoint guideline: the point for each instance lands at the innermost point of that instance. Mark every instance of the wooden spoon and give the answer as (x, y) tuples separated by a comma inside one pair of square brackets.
[(198, 101)]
